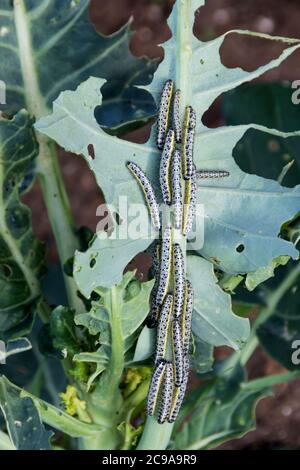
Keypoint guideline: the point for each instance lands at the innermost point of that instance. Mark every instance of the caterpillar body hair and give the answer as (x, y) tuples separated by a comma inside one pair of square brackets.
[(205, 174), (176, 117), (164, 328), (176, 189), (165, 163), (190, 201), (187, 316), (179, 393), (148, 192), (154, 389), (188, 142), (164, 112), (178, 352), (165, 265), (179, 280), (166, 394)]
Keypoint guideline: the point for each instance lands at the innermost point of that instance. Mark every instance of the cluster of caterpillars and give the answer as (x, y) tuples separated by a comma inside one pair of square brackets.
[(172, 297)]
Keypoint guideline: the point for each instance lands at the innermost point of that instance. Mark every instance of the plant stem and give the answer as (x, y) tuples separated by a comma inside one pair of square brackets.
[(49, 174), (155, 436), (258, 384), (273, 300), (59, 211)]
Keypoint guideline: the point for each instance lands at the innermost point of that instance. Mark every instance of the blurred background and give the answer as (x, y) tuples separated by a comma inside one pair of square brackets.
[(278, 418)]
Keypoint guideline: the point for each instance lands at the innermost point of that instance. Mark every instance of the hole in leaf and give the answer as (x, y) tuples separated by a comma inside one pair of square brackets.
[(91, 151), (92, 263), (240, 248)]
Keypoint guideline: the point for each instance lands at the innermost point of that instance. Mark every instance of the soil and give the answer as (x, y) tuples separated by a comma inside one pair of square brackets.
[(278, 418)]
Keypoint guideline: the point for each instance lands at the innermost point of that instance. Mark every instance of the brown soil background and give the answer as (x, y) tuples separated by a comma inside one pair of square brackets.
[(278, 418)]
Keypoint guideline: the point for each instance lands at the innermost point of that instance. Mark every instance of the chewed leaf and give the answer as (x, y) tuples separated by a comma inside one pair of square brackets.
[(213, 319), (243, 213)]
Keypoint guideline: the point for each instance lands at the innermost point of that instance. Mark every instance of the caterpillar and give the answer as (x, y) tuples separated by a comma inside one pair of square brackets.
[(154, 307), (186, 319), (166, 394), (163, 113), (163, 328), (165, 265), (190, 201), (179, 280), (176, 189), (176, 117), (212, 174), (154, 389), (179, 393), (164, 173), (177, 352), (188, 142), (148, 192)]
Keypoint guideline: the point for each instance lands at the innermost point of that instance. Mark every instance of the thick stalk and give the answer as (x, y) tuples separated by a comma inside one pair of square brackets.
[(49, 174), (157, 436)]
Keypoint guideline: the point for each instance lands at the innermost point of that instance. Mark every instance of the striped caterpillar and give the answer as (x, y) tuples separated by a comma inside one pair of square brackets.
[(172, 298)]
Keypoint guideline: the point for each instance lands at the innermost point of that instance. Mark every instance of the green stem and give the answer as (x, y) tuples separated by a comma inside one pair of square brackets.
[(270, 381), (49, 174), (155, 436)]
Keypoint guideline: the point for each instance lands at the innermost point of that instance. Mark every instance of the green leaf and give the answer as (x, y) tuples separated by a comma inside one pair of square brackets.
[(17, 346), (280, 333), (5, 442), (231, 217), (145, 345), (21, 255), (262, 274), (202, 359), (52, 46), (115, 331), (213, 320), (270, 105), (23, 421), (63, 332), (214, 421)]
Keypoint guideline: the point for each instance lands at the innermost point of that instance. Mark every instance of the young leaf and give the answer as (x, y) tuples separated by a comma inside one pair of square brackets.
[(21, 255), (115, 326), (23, 421)]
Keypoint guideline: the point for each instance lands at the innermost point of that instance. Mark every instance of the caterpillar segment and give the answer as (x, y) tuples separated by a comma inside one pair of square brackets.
[(190, 202), (176, 117), (166, 394), (179, 393), (176, 189), (179, 280), (148, 192), (165, 265), (163, 329), (164, 113), (165, 164), (186, 318), (177, 352), (154, 389), (188, 139)]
